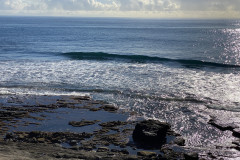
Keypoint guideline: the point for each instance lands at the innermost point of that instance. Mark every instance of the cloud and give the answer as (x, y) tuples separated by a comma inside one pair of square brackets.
[(79, 5), (68, 5), (159, 8), (89, 5), (22, 5), (104, 5), (210, 5), (148, 5)]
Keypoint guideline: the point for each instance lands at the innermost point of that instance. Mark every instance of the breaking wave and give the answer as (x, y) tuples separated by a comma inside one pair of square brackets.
[(101, 56)]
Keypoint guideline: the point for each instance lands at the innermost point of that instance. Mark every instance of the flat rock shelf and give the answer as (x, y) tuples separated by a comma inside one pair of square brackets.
[(77, 127)]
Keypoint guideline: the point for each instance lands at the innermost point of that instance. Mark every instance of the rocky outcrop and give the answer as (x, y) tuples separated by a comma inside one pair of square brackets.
[(191, 156), (179, 141), (226, 124), (82, 123), (151, 132), (81, 98), (112, 124), (9, 115), (236, 132), (47, 137), (109, 108), (222, 125), (109, 139), (147, 154)]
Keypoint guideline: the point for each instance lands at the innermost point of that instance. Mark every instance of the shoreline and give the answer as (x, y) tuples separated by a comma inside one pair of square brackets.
[(77, 127)]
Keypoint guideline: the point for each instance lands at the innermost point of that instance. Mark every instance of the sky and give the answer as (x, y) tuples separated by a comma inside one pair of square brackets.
[(123, 8)]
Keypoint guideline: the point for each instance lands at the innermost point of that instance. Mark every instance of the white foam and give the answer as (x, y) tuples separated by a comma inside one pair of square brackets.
[(22, 91), (143, 79)]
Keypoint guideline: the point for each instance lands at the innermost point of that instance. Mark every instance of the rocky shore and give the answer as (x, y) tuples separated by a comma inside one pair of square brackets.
[(77, 127)]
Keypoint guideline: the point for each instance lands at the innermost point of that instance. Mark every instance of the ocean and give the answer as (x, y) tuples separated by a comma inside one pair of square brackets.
[(180, 71)]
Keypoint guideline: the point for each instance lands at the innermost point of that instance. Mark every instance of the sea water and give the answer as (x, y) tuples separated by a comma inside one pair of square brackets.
[(180, 71)]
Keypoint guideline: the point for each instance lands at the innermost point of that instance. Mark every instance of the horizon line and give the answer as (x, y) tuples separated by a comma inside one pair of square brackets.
[(120, 17)]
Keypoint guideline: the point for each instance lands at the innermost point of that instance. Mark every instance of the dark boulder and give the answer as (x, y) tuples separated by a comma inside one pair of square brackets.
[(151, 132), (179, 141), (191, 156)]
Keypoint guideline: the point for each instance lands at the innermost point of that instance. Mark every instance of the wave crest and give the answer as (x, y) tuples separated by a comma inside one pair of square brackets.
[(101, 56)]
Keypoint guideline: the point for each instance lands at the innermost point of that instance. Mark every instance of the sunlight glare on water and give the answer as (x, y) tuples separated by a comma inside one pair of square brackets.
[(231, 46)]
